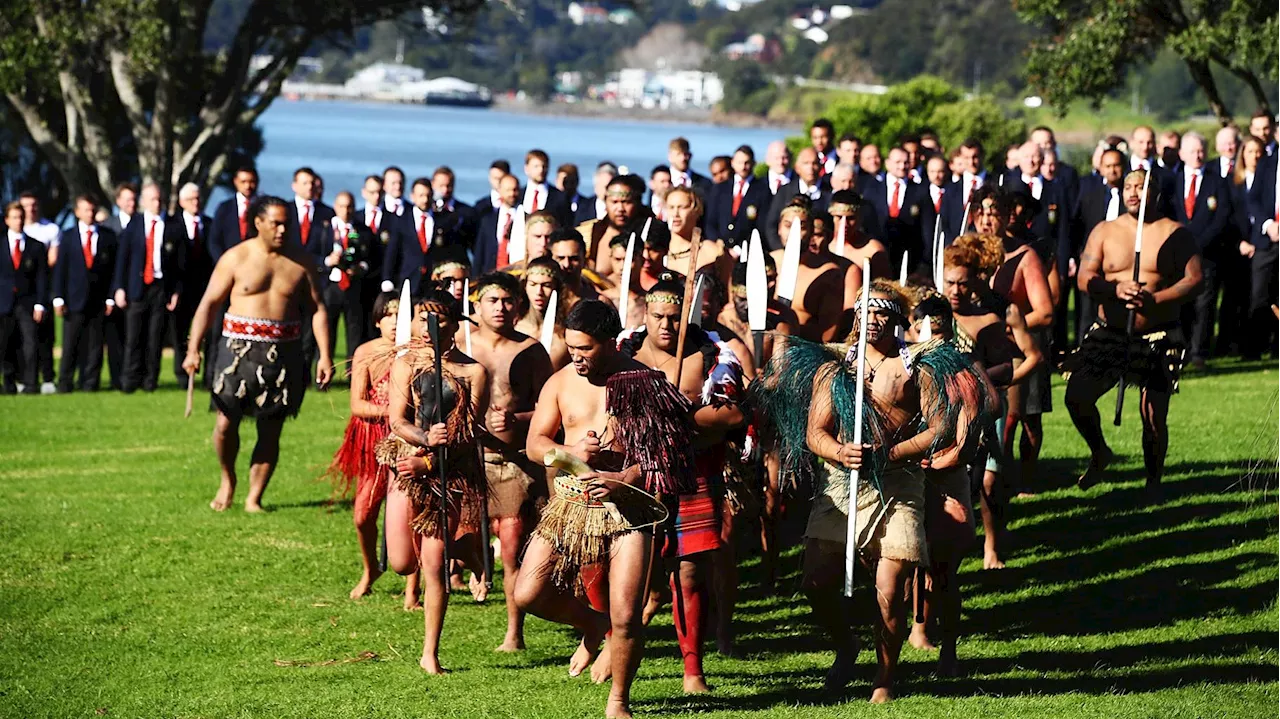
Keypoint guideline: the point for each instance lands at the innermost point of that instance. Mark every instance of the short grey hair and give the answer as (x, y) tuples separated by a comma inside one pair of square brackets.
[(1193, 136), (188, 189)]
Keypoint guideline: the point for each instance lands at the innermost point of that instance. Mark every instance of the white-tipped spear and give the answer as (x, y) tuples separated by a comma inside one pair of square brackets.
[(746, 251), (839, 247), (466, 312), (902, 273), (644, 233), (851, 545), (938, 241), (1137, 267), (624, 292), (404, 320), (516, 246), (790, 269), (757, 295), (549, 321), (695, 309)]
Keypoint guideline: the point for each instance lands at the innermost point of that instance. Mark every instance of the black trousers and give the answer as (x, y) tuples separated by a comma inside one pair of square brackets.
[(144, 325), (46, 337), (113, 333), (350, 308), (1264, 290), (1199, 314), (82, 340), (19, 322), (1060, 319), (1233, 311)]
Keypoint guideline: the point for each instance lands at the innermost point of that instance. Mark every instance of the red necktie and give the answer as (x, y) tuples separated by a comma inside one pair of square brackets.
[(737, 195), (422, 233), (195, 236), (895, 202), (937, 204), (534, 206), (344, 281), (822, 165), (306, 223), (973, 185), (244, 220), (17, 254), (373, 224), (149, 269), (1190, 203), (88, 248), (503, 258)]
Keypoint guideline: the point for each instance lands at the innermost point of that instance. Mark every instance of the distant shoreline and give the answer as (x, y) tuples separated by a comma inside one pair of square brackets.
[(613, 112)]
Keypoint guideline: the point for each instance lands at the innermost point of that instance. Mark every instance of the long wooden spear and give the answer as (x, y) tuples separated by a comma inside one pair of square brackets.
[(851, 544), (1133, 316)]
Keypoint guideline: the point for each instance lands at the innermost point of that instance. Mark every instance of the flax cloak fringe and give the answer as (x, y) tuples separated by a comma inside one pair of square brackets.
[(467, 484), (651, 427), (785, 395), (964, 401)]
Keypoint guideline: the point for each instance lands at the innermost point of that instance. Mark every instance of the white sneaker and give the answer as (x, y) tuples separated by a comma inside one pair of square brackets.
[(48, 388), (21, 388)]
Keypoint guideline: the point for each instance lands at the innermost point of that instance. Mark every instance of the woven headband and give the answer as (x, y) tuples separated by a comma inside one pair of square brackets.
[(841, 209), (437, 308), (444, 267), (881, 303), (662, 297), (540, 271)]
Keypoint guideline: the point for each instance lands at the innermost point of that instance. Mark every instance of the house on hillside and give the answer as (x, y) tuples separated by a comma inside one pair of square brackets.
[(587, 14)]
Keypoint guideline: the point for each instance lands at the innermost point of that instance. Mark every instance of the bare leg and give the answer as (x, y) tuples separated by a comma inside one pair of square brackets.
[(945, 595), (1155, 435), (226, 443), (1029, 448), (769, 524), (266, 452), (412, 588), (536, 594), (926, 588), (512, 536), (402, 543), (595, 580), (724, 577), (1082, 397), (992, 520), (366, 521), (628, 565), (435, 600), (688, 593), (823, 574), (891, 577)]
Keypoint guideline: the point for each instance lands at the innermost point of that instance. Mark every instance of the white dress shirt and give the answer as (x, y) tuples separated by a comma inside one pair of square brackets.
[(372, 217), (191, 221), (777, 180), (681, 179), (967, 184), (1136, 163), (1224, 166), (890, 182), (935, 193), (601, 209), (124, 218), (1187, 178), (393, 205), (531, 191), (1036, 184), (44, 232), (1113, 205), (813, 191)]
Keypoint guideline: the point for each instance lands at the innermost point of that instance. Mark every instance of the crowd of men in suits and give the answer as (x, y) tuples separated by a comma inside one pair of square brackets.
[(129, 280)]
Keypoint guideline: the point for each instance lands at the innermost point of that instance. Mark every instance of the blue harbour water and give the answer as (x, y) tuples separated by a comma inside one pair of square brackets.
[(346, 141)]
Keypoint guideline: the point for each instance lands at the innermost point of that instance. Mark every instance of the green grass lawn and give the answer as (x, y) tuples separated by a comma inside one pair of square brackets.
[(122, 595)]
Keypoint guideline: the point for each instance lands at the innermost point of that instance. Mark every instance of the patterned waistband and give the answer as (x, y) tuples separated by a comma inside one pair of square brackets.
[(259, 330)]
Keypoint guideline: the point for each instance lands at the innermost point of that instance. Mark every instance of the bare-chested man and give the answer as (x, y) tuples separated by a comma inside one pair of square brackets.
[(646, 264), (693, 539), (569, 251), (819, 299), (891, 522), (623, 213), (573, 401), (846, 207), (518, 367), (1152, 357), (259, 369)]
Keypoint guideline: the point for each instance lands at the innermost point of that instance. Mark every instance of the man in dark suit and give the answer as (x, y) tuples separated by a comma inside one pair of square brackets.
[(148, 283), (1053, 220), (498, 169), (1099, 202), (1262, 125), (1143, 154), (568, 182), (373, 218), (82, 296), (24, 280), (231, 218), (870, 168), (1233, 267), (1203, 205), (190, 228), (971, 177), (778, 157), (900, 206), (113, 326), (346, 260), (1066, 174), (678, 157), (734, 207), (937, 176), (805, 183), (456, 217), (597, 208), (538, 195), (417, 241), (490, 249), (1264, 232), (822, 135), (309, 227)]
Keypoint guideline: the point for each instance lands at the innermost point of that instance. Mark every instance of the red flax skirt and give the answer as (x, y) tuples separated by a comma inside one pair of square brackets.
[(696, 523)]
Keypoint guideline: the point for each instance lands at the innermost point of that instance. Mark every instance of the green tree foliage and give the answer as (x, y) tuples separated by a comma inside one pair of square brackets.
[(925, 102), (1094, 43), (112, 89)]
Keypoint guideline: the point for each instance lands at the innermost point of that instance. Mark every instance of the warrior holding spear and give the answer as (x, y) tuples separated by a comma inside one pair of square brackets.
[(1140, 271)]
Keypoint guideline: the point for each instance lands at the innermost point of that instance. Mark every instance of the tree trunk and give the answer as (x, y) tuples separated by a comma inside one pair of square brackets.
[(1251, 79), (1200, 73)]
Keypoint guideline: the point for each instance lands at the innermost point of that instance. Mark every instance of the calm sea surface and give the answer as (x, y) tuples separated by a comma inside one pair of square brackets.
[(345, 141)]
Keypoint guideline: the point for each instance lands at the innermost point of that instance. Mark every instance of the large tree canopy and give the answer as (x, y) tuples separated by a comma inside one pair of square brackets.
[(1094, 42), (116, 89)]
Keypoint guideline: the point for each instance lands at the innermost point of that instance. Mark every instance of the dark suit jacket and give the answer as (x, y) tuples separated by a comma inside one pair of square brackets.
[(131, 260), (459, 222), (224, 230), (1212, 214), (780, 201), (557, 204), (113, 223), (1262, 199), (403, 258), (1091, 211), (1053, 221), (485, 250), (364, 248), (78, 286), (722, 224), (317, 238), (27, 285), (197, 265), (911, 230), (701, 183)]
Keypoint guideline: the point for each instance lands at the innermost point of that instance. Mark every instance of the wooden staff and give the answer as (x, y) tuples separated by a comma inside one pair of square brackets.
[(851, 544), (191, 390), (624, 290), (1133, 315), (466, 310), (433, 330)]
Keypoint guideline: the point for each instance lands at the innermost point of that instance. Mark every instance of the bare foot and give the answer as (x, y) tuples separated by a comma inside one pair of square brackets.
[(365, 585), (602, 667), (431, 665), (583, 656), (947, 664), (617, 709), (516, 644), (652, 607), (991, 560), (253, 508), (1024, 495), (1097, 468), (222, 499), (881, 695), (411, 602), (479, 590), (696, 685), (920, 639), (841, 671)]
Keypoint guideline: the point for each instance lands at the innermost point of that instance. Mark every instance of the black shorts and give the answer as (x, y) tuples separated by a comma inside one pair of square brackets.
[(257, 377), (1154, 358)]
